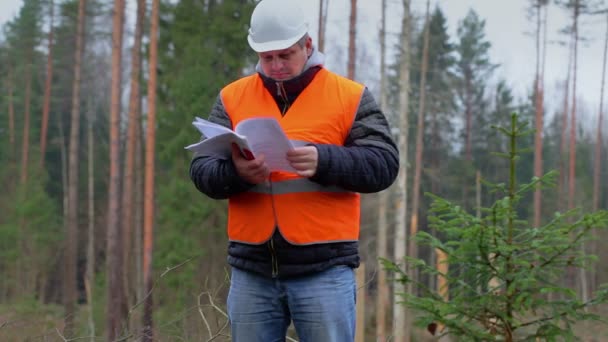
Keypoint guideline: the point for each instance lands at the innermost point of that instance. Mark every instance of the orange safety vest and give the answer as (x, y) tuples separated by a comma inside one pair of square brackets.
[(304, 211)]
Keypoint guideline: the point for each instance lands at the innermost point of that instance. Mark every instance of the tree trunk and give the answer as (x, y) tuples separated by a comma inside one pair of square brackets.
[(89, 279), (413, 249), (468, 155), (23, 266), (598, 141), (597, 183), (442, 267), (538, 135), (401, 321), (71, 253), (138, 221), (572, 165), (116, 303), (149, 180), (47, 88), (383, 291), (322, 22), (129, 177), (352, 34), (25, 146), (64, 176), (561, 185), (11, 111)]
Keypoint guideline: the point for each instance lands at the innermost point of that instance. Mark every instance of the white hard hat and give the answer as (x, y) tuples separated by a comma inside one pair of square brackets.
[(276, 25)]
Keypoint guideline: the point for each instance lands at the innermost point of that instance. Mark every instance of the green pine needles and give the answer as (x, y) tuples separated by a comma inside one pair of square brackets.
[(507, 280)]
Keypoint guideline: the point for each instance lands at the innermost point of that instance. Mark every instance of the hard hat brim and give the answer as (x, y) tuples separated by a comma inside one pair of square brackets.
[(275, 44)]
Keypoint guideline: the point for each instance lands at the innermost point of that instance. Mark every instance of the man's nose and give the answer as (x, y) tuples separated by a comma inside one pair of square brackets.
[(276, 64)]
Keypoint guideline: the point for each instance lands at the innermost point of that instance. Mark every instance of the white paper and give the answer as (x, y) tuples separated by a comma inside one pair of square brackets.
[(262, 136), (219, 146)]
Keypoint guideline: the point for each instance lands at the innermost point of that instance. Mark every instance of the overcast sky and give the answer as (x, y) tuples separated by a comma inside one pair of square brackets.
[(506, 27), (508, 30)]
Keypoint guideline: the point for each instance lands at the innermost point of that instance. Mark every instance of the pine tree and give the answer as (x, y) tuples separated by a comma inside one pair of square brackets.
[(473, 67)]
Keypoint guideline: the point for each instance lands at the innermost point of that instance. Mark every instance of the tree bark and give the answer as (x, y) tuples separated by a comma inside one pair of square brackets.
[(138, 220), (322, 22), (401, 321), (11, 110), (538, 135), (352, 34), (23, 267), (598, 141), (413, 249), (149, 180), (129, 177), (47, 88), (71, 253), (383, 291), (597, 164), (442, 267), (582, 279), (468, 156), (561, 185), (572, 165), (116, 303), (25, 145), (90, 270)]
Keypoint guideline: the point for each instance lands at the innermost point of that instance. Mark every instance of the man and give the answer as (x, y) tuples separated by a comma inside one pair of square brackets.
[(293, 236)]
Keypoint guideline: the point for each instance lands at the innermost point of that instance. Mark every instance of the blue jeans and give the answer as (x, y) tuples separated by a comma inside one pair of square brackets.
[(321, 306)]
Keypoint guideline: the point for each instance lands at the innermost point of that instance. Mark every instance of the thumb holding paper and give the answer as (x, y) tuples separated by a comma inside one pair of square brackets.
[(254, 171), (304, 160)]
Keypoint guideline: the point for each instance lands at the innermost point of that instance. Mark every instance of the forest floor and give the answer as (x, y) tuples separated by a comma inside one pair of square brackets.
[(34, 322)]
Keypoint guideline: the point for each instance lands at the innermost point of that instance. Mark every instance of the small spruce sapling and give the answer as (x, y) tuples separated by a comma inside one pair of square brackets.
[(504, 277)]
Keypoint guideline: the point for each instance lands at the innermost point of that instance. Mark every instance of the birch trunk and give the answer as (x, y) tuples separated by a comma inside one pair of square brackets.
[(413, 249), (401, 321), (383, 290), (322, 23), (599, 139), (561, 186), (352, 34)]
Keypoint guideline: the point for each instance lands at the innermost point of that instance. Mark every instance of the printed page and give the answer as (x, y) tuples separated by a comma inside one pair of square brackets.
[(265, 136), (210, 129)]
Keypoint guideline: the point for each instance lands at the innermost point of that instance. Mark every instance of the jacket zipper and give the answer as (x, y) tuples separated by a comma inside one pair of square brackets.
[(281, 92), (273, 253), (273, 256)]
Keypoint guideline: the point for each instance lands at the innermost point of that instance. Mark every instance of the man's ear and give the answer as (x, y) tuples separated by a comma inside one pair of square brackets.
[(308, 46)]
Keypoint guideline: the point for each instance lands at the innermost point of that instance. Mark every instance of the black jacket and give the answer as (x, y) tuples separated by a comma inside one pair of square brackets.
[(368, 162)]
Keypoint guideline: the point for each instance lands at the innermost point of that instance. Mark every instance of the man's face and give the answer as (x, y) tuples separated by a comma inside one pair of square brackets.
[(282, 65)]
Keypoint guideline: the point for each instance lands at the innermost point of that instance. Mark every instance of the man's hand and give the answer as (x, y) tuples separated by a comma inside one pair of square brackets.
[(304, 159), (253, 171)]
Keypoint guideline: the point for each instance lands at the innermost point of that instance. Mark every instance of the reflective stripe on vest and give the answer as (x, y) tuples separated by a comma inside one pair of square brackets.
[(304, 211), (293, 185)]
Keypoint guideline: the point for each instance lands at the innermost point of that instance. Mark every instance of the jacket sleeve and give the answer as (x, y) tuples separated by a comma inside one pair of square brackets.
[(217, 178), (368, 161)]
